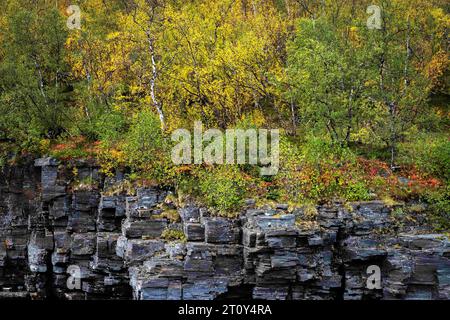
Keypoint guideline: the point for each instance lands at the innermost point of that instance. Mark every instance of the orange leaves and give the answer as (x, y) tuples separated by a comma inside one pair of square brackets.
[(407, 182), (74, 148), (183, 169)]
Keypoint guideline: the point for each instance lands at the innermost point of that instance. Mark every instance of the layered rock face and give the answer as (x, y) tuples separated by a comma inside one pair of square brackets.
[(66, 242)]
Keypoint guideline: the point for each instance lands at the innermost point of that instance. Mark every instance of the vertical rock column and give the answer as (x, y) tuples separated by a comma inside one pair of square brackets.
[(83, 228), (19, 202)]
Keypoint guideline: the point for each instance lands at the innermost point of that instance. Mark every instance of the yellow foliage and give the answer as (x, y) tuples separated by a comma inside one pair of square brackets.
[(436, 68)]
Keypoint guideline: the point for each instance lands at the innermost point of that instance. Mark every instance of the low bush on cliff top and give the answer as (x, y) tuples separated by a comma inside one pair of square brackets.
[(222, 187)]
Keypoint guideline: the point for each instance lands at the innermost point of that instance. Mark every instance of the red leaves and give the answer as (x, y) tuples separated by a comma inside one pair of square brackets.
[(74, 148), (406, 182)]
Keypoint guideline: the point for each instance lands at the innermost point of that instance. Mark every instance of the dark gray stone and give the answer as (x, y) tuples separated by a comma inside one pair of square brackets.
[(194, 231), (221, 230), (151, 228)]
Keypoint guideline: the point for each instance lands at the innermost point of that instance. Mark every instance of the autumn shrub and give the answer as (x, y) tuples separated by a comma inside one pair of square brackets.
[(318, 151), (430, 153), (146, 149), (356, 191), (290, 181), (439, 206), (110, 129), (222, 187), (319, 170), (73, 148)]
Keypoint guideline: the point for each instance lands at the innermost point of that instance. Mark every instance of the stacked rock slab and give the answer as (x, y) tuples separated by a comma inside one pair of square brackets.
[(286, 261), (202, 268), (62, 233), (19, 203), (68, 240)]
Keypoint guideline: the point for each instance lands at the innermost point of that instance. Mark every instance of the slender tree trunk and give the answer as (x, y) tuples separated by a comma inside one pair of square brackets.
[(153, 79)]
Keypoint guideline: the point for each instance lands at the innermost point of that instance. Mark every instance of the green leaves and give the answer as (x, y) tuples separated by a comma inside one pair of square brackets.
[(327, 75), (223, 187), (34, 85)]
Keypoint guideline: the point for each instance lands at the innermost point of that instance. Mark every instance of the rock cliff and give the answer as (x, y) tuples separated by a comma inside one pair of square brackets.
[(67, 240)]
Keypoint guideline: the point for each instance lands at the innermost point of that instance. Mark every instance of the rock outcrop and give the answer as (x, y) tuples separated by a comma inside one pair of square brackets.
[(69, 240)]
